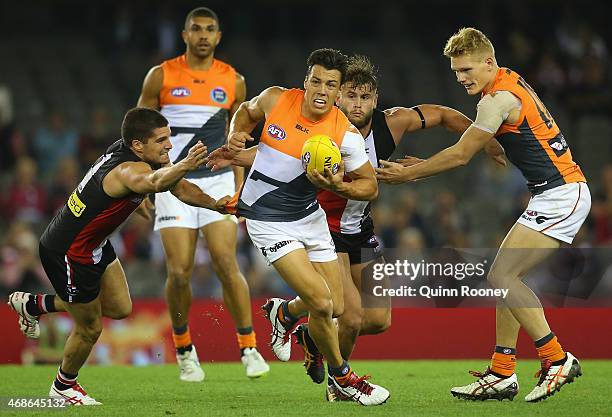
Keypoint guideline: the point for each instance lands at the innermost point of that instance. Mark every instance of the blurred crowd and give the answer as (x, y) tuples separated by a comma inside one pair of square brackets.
[(567, 63)]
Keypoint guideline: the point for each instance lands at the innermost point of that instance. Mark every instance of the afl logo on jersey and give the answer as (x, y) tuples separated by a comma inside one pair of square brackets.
[(276, 132), (219, 95), (180, 92)]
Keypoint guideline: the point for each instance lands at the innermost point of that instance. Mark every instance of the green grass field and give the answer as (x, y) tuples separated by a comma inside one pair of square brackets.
[(418, 388)]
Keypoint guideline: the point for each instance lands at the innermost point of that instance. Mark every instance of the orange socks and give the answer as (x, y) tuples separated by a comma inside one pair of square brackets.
[(503, 361), (246, 340), (549, 348), (181, 340)]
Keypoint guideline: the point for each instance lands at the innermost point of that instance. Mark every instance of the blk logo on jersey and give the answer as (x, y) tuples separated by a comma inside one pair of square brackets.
[(180, 92), (276, 132), (219, 95)]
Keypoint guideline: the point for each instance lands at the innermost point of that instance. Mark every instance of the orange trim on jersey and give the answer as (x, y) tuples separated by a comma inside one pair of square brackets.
[(538, 120), (286, 129), (183, 85)]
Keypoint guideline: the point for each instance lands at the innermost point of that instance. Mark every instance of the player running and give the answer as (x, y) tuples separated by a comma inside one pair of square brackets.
[(510, 111), (284, 219), (74, 248), (349, 221), (198, 94)]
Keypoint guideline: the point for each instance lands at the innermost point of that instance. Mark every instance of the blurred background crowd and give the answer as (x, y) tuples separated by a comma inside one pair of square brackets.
[(70, 71)]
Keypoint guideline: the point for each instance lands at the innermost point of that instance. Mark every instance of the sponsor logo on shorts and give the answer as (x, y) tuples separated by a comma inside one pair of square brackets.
[(72, 290), (180, 92), (76, 206), (275, 247), (219, 95), (532, 216), (168, 218), (276, 132)]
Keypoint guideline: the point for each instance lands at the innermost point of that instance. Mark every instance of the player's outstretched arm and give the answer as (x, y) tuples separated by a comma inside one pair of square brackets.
[(191, 194), (472, 141), (403, 120), (151, 87), (140, 178), (222, 157)]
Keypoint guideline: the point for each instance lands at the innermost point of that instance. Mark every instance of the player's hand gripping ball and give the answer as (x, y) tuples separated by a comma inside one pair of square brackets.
[(320, 152)]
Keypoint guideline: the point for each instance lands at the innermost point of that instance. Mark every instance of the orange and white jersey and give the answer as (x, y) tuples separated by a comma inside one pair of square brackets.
[(197, 104), (276, 188), (534, 143)]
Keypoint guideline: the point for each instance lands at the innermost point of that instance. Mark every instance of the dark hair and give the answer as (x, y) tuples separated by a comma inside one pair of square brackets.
[(139, 124), (361, 72), (330, 59), (201, 12)]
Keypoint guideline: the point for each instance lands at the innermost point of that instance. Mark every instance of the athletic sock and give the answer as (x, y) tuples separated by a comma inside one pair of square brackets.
[(246, 338), (39, 304), (550, 349), (182, 339), (503, 361), (341, 373), (64, 380), (285, 316)]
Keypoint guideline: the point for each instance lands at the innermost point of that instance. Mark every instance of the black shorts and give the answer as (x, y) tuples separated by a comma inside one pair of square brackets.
[(361, 247), (75, 282)]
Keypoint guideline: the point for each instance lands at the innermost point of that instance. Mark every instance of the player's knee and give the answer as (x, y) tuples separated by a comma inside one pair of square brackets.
[(179, 275), (338, 308), (351, 319), (120, 312), (225, 265), (89, 332), (321, 307), (379, 323)]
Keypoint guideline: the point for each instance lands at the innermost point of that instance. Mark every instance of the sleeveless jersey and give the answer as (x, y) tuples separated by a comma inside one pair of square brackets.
[(534, 144), (197, 104), (352, 216), (80, 229), (276, 188)]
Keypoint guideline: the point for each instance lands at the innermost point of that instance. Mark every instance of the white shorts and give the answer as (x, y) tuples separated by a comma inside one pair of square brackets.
[(276, 239), (172, 212), (558, 212)]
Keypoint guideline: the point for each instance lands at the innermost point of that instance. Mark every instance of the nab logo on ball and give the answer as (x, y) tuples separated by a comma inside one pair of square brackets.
[(180, 92), (276, 132), (219, 95)]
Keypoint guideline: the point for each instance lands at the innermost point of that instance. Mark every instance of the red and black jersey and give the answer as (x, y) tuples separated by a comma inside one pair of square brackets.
[(352, 216), (82, 226)]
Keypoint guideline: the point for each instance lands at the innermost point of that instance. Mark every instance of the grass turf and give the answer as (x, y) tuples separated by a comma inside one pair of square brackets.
[(418, 388)]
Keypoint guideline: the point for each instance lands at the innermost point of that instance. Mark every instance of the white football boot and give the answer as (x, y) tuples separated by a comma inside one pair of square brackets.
[(487, 387), (254, 363), (553, 377), (188, 362), (27, 323), (280, 336), (75, 395), (358, 389)]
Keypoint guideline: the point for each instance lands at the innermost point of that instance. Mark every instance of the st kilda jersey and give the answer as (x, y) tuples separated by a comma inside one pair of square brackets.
[(352, 216), (80, 229)]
